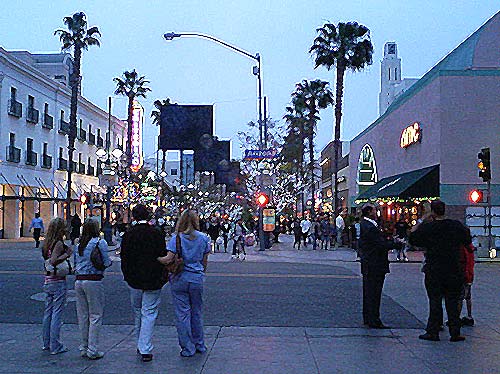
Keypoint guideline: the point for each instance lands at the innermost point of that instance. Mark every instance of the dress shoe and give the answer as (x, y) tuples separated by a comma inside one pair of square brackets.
[(457, 338), (430, 337), (378, 326), (147, 357)]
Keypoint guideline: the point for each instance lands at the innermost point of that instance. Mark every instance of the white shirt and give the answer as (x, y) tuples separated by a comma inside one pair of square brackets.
[(357, 226), (372, 221), (305, 225), (339, 222)]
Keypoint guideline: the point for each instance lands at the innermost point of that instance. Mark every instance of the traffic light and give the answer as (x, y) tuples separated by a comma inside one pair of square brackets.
[(262, 199), (85, 198), (476, 196), (484, 164)]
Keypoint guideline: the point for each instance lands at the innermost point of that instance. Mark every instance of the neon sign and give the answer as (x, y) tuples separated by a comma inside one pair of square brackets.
[(411, 135), (137, 121)]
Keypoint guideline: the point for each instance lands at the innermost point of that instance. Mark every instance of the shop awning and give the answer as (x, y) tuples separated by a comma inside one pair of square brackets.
[(422, 183)]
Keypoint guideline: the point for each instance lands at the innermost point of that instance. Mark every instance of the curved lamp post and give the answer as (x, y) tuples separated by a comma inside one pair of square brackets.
[(257, 70)]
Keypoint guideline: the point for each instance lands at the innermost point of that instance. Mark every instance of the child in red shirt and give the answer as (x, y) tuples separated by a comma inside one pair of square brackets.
[(467, 260)]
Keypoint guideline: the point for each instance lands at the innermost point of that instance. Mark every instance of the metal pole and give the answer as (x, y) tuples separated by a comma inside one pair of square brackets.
[(265, 122), (107, 222), (259, 83), (490, 238), (262, 243)]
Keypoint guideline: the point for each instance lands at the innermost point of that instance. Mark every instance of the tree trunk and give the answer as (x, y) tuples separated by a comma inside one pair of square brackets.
[(75, 85), (311, 170), (128, 150), (339, 90)]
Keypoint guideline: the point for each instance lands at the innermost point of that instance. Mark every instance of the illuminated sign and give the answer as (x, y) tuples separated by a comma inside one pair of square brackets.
[(137, 122), (367, 169), (411, 135)]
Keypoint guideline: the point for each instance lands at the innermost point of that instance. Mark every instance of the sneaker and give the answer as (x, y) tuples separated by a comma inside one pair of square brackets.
[(457, 338), (95, 355), (430, 337), (63, 349), (201, 348), (147, 357), (185, 353)]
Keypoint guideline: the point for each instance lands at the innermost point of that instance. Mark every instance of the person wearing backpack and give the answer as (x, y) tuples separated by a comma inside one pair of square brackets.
[(89, 289)]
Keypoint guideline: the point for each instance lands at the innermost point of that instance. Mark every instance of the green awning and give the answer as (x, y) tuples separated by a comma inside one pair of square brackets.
[(422, 183)]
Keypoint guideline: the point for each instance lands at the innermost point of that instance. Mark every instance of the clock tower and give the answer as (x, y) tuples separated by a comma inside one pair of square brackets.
[(390, 76)]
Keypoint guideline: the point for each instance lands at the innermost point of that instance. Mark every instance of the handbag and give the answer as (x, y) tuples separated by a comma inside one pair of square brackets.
[(96, 258), (60, 270), (176, 266)]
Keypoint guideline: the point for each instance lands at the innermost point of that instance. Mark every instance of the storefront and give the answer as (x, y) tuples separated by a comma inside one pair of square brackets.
[(425, 146)]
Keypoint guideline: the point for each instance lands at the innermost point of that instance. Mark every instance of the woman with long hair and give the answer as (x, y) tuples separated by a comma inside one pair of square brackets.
[(54, 286), (187, 287), (90, 289)]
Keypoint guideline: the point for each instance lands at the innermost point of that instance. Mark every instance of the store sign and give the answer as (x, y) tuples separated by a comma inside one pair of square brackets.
[(268, 219), (411, 135), (137, 121), (367, 169)]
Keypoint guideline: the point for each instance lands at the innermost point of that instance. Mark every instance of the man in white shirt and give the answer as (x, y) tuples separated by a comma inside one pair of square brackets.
[(340, 224), (305, 225)]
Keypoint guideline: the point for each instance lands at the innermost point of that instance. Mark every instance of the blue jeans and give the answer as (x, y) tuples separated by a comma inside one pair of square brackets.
[(55, 298), (187, 298), (145, 306)]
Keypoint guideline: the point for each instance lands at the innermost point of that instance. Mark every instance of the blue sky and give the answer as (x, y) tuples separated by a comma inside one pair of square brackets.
[(194, 71)]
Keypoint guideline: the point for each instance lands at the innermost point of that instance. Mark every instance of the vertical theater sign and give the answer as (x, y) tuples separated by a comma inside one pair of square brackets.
[(137, 123)]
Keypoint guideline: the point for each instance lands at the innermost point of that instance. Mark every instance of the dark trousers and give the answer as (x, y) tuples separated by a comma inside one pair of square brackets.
[(372, 293), (36, 236), (297, 238), (439, 286)]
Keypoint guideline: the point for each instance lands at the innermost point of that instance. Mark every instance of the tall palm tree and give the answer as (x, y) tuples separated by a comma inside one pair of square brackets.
[(79, 38), (346, 46), (307, 99), (156, 114), (131, 85)]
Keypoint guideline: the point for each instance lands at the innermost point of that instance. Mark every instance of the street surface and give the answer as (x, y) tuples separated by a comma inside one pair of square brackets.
[(281, 311)]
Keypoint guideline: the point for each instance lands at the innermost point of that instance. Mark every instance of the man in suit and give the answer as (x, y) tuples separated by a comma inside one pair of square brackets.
[(373, 250)]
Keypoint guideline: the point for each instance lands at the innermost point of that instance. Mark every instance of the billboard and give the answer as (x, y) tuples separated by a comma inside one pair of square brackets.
[(214, 157), (186, 127), (137, 123)]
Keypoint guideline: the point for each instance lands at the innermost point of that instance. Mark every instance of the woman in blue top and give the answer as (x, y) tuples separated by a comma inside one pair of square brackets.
[(89, 289), (187, 287)]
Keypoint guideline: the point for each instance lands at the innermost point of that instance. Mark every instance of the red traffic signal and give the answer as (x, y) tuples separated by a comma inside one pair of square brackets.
[(262, 199), (85, 198), (476, 196)]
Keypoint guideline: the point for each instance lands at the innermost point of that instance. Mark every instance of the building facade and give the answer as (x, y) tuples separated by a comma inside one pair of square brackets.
[(327, 177), (34, 122), (425, 145)]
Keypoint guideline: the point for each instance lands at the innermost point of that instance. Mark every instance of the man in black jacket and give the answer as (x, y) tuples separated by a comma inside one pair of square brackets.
[(442, 239), (141, 245), (373, 250)]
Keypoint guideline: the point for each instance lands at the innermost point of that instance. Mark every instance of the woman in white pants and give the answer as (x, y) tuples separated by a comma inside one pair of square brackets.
[(89, 289)]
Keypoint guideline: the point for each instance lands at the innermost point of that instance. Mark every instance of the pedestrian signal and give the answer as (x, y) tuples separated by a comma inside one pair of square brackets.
[(476, 196), (484, 164)]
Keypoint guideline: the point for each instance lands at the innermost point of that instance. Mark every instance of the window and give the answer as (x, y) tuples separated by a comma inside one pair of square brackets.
[(45, 147), (79, 158), (29, 145), (81, 123), (60, 152), (98, 133), (396, 73), (31, 101), (88, 161), (389, 74), (90, 129), (46, 108), (12, 139), (173, 171), (62, 115), (13, 93)]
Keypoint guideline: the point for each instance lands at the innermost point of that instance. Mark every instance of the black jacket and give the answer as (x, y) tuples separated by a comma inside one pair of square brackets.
[(140, 247), (373, 249), (442, 240)]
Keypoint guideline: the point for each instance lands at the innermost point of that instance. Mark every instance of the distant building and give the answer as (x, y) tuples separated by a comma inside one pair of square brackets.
[(34, 122), (327, 160)]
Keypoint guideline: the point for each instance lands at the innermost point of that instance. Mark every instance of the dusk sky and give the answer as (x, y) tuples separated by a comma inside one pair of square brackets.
[(195, 71)]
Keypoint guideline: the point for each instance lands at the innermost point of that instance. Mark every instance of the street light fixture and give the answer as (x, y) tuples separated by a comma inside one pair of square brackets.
[(257, 70)]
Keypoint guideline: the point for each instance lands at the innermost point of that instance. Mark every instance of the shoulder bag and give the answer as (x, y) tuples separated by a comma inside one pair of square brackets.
[(176, 266), (60, 270), (96, 258)]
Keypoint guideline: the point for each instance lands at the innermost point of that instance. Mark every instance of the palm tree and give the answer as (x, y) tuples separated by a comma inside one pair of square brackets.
[(345, 46), (307, 99), (132, 86), (156, 114), (79, 38)]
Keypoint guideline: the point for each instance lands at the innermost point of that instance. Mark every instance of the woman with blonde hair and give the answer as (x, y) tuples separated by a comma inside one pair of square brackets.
[(89, 288), (187, 287), (54, 286)]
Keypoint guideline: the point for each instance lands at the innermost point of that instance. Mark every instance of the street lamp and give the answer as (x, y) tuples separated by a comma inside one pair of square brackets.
[(257, 70)]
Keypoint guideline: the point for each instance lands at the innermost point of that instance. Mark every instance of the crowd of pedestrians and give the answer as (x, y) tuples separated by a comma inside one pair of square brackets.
[(144, 259)]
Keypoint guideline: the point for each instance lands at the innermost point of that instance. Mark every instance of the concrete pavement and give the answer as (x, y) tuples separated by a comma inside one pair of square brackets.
[(270, 349)]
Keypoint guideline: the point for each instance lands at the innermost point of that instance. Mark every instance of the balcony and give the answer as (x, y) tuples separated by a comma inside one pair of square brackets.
[(15, 108), (82, 134), (91, 139), (31, 158), (13, 154), (32, 115), (63, 164), (81, 168), (91, 170), (48, 122), (100, 141), (46, 162)]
